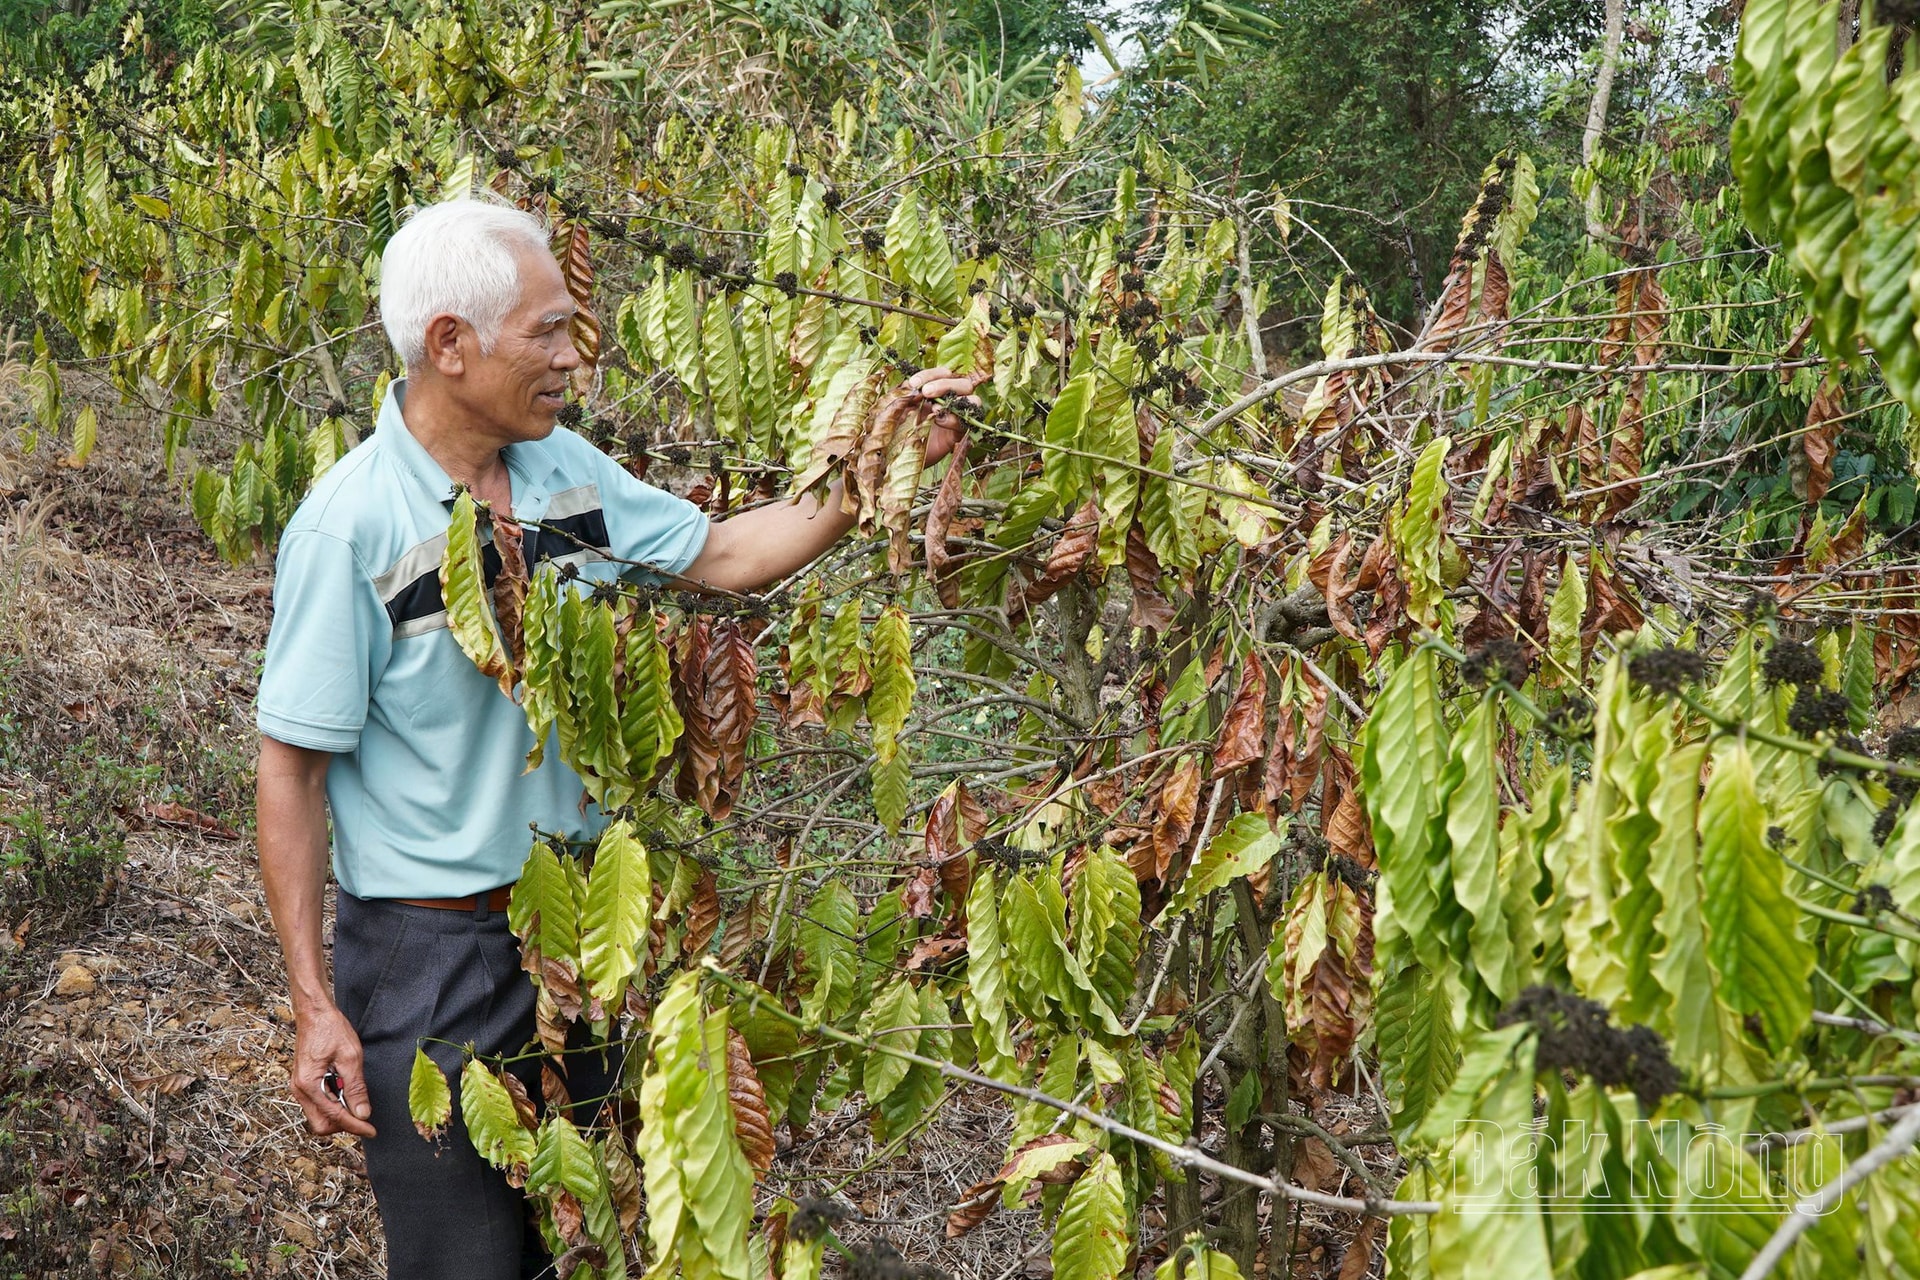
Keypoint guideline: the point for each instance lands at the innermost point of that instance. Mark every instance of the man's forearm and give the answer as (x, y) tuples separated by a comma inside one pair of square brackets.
[(761, 547), (292, 826)]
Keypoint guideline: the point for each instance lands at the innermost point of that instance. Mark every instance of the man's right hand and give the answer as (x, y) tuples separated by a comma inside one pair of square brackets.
[(325, 1041)]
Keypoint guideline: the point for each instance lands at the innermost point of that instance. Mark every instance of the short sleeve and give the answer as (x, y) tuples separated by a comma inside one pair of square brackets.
[(330, 640), (648, 524)]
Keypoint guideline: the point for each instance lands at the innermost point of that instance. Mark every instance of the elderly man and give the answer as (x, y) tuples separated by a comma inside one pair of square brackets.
[(369, 710)]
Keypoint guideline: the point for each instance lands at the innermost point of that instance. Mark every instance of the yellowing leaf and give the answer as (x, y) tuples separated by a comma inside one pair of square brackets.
[(1090, 1239), (1764, 964), (1240, 848), (492, 1121), (617, 912), (463, 588), (1419, 529), (429, 1098)]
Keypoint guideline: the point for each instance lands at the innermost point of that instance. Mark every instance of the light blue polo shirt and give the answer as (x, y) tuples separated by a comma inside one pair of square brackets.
[(426, 785)]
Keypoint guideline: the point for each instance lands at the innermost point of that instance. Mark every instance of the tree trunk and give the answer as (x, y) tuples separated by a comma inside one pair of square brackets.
[(1597, 112)]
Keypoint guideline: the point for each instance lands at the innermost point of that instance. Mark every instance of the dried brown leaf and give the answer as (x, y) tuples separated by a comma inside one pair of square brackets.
[(1174, 813), (752, 1123), (1456, 298), (1069, 555), (175, 814), (168, 1084), (510, 590), (553, 1089), (1310, 745), (975, 1205), (1494, 289), (1816, 442), (1151, 609), (522, 1101), (569, 1219), (1243, 729), (916, 899), (931, 953), (703, 913), (941, 566), (1357, 1263), (745, 927), (623, 1180)]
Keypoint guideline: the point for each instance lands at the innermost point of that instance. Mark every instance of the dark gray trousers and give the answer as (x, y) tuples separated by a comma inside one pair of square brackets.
[(407, 976)]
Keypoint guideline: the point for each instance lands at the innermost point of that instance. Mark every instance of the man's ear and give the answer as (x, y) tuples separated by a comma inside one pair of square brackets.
[(445, 350)]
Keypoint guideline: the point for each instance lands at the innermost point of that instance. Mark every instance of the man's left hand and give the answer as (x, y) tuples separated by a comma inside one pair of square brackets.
[(937, 384)]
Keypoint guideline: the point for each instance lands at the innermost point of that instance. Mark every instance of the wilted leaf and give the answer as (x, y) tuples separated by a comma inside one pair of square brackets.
[(522, 1101), (945, 506), (1074, 549), (1151, 608), (429, 1097), (1243, 729), (917, 897), (931, 953), (1816, 442), (703, 913), (510, 589), (1174, 813), (752, 1124)]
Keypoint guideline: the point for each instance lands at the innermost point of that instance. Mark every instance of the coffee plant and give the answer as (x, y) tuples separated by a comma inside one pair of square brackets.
[(1434, 720)]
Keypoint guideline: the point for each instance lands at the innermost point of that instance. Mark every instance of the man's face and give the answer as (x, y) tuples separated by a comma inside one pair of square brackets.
[(518, 388)]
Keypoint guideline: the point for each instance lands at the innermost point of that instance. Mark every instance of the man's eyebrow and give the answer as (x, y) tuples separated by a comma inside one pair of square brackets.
[(555, 317)]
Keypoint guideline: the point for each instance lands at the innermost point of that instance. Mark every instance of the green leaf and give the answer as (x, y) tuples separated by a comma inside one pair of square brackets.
[(1689, 1020), (894, 1008), (599, 752), (1170, 534), (1240, 848), (1564, 613), (1410, 1235), (650, 721), (1036, 949), (1857, 677), (1764, 964), (985, 993), (1893, 1205), (563, 1161), (892, 774), (1473, 834), (463, 587), (543, 910), (86, 430), (1243, 1100), (1106, 922), (1400, 770), (1725, 1208), (1418, 530), (540, 689), (617, 913), (1090, 1239), (699, 1186), (1481, 1128), (492, 1122), (1419, 1053), (429, 1097), (1066, 473), (828, 954), (891, 665)]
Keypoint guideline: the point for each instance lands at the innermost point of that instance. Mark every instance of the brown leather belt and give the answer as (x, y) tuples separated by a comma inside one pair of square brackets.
[(496, 901)]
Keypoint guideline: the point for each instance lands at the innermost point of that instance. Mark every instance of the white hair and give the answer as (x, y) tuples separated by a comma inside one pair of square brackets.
[(454, 258)]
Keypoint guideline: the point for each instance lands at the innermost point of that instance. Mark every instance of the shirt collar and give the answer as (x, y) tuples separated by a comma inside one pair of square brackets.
[(530, 460)]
